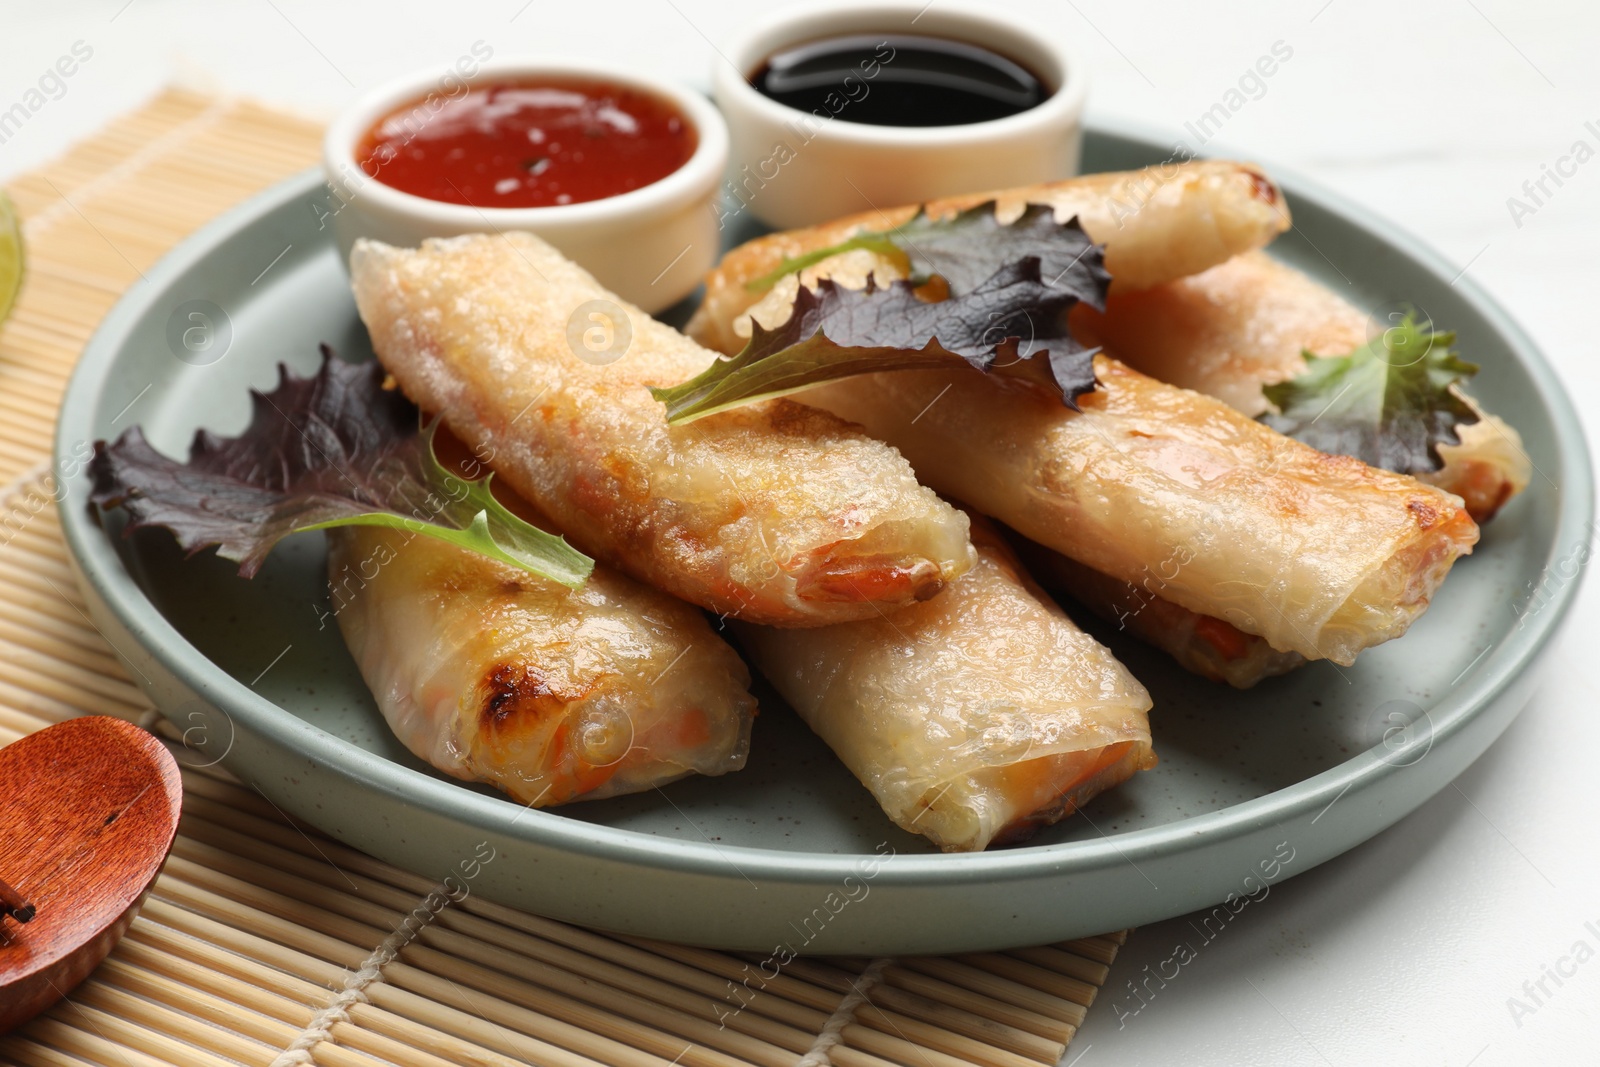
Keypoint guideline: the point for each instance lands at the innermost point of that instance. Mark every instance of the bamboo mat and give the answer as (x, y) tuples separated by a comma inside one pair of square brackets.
[(264, 942)]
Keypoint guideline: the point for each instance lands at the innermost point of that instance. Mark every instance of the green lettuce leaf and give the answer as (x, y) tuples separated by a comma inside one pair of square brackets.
[(332, 449), (1390, 403)]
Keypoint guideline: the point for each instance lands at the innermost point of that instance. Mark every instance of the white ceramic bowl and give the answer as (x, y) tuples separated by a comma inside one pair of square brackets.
[(791, 169), (650, 245)]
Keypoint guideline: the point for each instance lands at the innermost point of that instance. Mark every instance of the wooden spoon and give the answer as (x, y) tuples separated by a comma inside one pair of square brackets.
[(88, 811)]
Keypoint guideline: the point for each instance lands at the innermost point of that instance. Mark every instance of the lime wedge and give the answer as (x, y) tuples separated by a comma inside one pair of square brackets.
[(10, 255)]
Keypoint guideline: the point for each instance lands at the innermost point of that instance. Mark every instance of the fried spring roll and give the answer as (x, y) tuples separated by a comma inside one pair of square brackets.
[(492, 674), (775, 512), (1160, 223), (1244, 324), (1321, 555), (975, 718), (1202, 644)]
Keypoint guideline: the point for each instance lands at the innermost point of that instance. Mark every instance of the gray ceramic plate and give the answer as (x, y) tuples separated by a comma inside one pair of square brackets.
[(792, 851)]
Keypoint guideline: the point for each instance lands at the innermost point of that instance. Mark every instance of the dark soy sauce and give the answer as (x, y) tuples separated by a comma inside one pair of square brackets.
[(899, 80)]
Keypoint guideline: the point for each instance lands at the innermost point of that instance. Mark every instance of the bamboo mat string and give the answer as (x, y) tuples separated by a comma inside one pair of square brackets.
[(320, 1028), (267, 944), (845, 1014), (18, 486), (160, 147)]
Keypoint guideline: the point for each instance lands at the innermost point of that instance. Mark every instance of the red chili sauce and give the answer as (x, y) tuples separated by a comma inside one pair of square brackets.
[(557, 141)]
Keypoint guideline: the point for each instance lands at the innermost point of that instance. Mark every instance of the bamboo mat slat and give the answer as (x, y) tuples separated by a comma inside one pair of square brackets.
[(264, 942)]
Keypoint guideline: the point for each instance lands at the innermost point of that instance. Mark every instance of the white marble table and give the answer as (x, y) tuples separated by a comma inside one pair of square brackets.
[(1407, 950)]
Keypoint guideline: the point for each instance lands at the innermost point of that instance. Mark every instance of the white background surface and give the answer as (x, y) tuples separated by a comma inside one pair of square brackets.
[(1432, 112)]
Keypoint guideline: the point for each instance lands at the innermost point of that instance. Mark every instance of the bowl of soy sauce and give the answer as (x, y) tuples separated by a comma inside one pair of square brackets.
[(840, 107)]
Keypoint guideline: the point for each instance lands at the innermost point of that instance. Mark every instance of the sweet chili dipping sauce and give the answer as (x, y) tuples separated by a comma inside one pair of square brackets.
[(528, 144)]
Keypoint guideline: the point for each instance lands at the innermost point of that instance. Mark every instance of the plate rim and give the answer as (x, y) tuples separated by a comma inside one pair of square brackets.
[(98, 563)]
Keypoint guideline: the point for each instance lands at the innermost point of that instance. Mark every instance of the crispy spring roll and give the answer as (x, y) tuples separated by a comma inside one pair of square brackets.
[(1202, 644), (1160, 223), (492, 674), (975, 718), (775, 512), (1244, 324), (1321, 555)]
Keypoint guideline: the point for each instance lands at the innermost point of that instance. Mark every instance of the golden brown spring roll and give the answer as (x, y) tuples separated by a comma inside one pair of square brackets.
[(975, 718), (1160, 223), (1202, 644), (1244, 324), (1321, 555), (774, 512), (493, 674)]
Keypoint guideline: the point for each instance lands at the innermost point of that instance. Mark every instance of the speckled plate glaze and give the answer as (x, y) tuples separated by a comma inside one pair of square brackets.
[(792, 852)]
